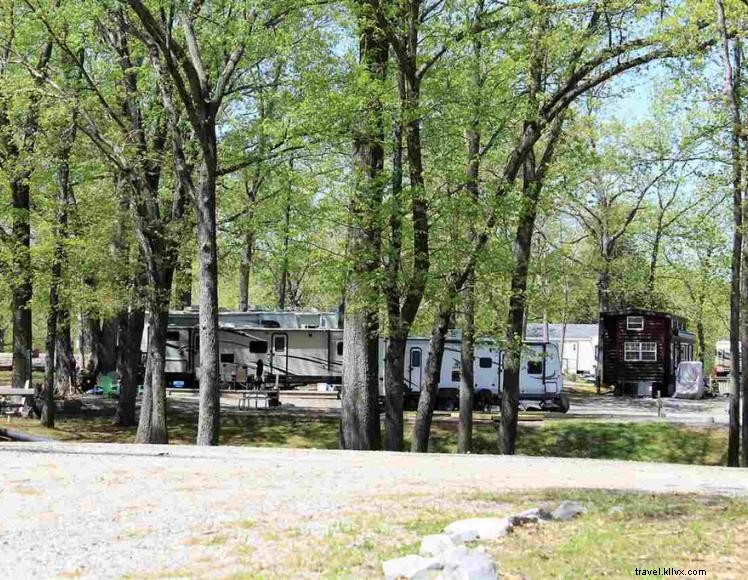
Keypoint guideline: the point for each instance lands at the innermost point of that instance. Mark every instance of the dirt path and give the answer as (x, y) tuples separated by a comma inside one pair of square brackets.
[(112, 510)]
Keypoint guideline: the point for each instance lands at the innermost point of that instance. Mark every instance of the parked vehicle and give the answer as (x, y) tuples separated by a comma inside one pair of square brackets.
[(541, 379), (265, 353)]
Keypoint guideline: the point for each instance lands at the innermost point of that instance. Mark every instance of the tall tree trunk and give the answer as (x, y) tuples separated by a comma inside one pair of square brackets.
[(654, 257), (65, 379), (60, 229), (467, 358), (517, 304), (210, 396), (394, 363), (48, 406), (430, 384), (283, 282), (21, 284), (360, 427), (130, 333), (108, 344), (245, 269), (152, 425), (603, 305), (732, 83), (394, 382)]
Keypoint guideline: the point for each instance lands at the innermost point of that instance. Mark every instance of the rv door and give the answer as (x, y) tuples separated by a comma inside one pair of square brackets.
[(415, 368), (279, 356)]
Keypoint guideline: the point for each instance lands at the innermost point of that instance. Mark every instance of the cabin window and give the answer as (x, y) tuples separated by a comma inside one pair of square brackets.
[(456, 376), (635, 323), (535, 367), (279, 343), (640, 351), (415, 358), (227, 357), (340, 348), (172, 336), (258, 346), (484, 362)]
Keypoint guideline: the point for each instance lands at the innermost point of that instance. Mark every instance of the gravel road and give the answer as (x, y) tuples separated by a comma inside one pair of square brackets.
[(101, 511)]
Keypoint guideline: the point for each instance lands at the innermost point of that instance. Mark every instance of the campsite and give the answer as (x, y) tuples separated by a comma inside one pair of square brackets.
[(373, 289)]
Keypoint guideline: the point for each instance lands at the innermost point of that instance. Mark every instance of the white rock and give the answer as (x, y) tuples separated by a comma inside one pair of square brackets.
[(463, 564), (453, 556), (411, 566), (435, 544), (485, 528), (463, 536), (568, 510)]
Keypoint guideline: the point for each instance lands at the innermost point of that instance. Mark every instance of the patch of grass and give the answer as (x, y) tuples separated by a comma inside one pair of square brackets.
[(659, 442), (624, 531), (619, 532)]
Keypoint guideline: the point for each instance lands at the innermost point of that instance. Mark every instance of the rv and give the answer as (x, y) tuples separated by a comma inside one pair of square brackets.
[(300, 349), (541, 380), (291, 348)]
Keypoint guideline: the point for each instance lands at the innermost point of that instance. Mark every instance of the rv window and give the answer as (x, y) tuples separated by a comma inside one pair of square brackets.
[(172, 336), (635, 323), (279, 343), (340, 348), (258, 346), (455, 376), (484, 362), (270, 324), (534, 367), (415, 358), (227, 357)]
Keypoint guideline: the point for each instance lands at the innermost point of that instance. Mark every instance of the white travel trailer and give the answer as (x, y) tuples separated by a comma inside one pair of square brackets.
[(290, 357), (310, 351), (541, 380)]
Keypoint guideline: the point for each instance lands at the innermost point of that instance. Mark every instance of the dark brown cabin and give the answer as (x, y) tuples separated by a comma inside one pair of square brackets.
[(641, 350)]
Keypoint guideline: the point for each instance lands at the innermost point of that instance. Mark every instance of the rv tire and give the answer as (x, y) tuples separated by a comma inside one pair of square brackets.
[(563, 403)]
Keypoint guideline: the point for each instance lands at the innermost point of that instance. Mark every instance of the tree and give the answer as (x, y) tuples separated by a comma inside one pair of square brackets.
[(732, 52), (360, 427), (19, 132)]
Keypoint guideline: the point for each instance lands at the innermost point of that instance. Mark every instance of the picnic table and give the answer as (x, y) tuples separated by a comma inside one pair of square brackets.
[(13, 401)]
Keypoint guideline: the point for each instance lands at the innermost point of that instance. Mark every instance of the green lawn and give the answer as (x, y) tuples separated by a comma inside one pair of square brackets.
[(619, 533), (606, 440)]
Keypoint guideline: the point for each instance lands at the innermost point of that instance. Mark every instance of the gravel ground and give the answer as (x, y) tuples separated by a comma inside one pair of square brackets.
[(104, 511)]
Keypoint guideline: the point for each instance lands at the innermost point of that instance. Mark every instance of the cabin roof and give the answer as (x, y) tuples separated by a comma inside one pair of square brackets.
[(639, 312)]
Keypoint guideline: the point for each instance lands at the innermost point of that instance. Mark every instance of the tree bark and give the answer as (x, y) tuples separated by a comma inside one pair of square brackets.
[(517, 303), (360, 427), (21, 286), (108, 345), (129, 334), (394, 380), (732, 82), (430, 384), (65, 379), (210, 408), (245, 269), (467, 358), (152, 425)]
